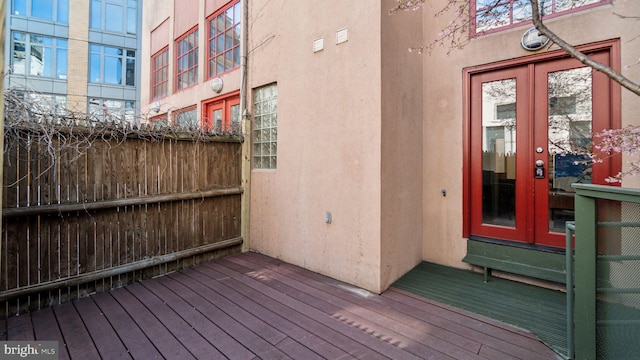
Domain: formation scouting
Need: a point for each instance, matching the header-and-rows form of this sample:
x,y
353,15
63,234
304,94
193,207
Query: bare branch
x,y
571,50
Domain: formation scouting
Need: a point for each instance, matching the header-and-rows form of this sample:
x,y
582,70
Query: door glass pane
x,y
499,152
235,114
217,119
569,129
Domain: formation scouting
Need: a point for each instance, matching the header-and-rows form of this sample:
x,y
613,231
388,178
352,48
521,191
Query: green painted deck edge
x,y
539,310
516,260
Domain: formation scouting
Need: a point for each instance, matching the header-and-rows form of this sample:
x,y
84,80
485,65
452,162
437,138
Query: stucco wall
x,y
443,107
329,137
402,150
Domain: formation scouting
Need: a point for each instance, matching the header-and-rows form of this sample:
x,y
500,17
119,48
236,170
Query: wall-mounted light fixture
x,y
217,84
532,40
155,107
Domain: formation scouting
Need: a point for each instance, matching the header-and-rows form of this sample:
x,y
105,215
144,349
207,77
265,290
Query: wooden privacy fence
x,y
75,222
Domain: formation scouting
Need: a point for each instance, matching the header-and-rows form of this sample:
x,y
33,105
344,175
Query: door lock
x,y
539,169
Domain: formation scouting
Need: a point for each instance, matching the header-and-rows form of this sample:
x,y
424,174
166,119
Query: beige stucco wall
x,y
443,108
402,150
329,137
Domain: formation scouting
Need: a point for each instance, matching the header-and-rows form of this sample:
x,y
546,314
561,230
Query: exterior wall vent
x,y
342,35
318,44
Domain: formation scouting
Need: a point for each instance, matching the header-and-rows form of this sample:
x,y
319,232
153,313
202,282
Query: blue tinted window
x,y
131,72
19,61
61,63
42,9
113,17
112,70
96,14
112,51
132,20
63,11
111,65
20,7
38,55
94,68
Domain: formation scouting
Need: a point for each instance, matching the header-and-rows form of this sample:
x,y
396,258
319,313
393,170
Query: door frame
x,y
613,49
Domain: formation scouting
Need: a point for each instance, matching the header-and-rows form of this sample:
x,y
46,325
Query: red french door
x,y
221,113
529,128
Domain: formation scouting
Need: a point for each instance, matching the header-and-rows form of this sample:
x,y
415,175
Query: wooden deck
x,y
250,306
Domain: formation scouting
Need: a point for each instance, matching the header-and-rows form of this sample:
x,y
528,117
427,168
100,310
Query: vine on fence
x,y
61,130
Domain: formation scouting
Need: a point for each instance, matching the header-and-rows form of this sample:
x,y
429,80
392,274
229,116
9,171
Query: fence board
x,y
42,246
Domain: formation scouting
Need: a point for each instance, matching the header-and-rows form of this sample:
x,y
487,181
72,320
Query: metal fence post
x,y
585,279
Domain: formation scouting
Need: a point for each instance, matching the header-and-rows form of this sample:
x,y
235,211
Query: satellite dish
x,y
532,40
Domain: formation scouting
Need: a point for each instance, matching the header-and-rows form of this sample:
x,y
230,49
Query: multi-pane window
x,y
159,122
52,10
111,65
224,39
43,105
39,55
265,131
116,111
186,118
493,14
160,74
115,15
187,60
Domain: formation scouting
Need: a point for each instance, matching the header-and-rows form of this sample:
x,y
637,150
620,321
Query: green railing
x,y
603,312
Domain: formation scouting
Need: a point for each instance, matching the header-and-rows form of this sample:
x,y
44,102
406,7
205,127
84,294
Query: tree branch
x,y
573,52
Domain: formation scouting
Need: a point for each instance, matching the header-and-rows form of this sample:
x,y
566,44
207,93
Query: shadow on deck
x,y
251,306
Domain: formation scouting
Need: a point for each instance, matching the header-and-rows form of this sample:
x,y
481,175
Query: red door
x,y
529,128
222,113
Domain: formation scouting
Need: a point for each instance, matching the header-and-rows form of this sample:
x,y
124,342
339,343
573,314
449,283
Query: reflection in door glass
x,y
217,119
569,131
499,152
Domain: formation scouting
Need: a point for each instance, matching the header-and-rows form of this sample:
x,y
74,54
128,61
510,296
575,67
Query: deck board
x,y
107,342
78,341
250,306
45,326
134,339
161,337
